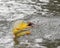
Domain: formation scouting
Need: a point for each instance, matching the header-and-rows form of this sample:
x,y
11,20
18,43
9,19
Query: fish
x,y
19,30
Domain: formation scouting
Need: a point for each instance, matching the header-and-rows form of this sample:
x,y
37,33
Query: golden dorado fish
x,y
20,29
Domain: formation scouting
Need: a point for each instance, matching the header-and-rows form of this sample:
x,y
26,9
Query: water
x,y
44,13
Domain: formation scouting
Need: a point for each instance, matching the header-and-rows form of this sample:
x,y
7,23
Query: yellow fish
x,y
19,29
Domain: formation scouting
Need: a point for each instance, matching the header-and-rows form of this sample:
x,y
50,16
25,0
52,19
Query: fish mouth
x,y
30,24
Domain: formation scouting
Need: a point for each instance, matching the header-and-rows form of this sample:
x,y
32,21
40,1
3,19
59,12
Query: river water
x,y
44,13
